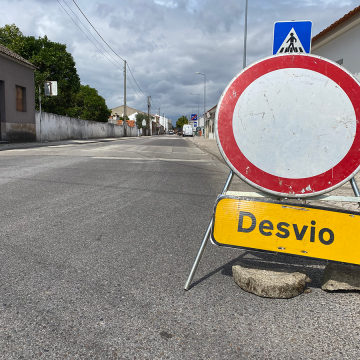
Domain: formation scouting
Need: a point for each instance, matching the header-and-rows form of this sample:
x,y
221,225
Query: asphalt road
x,y
97,240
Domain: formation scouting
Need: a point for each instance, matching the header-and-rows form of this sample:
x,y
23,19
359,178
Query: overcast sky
x,y
165,42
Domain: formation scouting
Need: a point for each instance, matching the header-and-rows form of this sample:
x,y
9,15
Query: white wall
x,y
164,121
346,47
132,116
56,127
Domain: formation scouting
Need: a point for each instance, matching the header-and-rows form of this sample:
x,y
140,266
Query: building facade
x,y
340,42
119,110
17,97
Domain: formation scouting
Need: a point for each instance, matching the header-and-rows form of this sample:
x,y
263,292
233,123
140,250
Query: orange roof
x,y
337,23
131,123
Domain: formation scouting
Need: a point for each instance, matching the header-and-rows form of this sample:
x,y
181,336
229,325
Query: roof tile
x,y
4,50
337,23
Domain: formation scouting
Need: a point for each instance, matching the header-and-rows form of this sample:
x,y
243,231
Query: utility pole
x,y
40,108
150,125
164,122
124,98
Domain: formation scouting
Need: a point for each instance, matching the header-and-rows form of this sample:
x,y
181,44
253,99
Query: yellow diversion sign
x,y
305,230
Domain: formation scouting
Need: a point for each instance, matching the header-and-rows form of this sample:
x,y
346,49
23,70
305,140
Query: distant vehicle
x,y
171,132
187,130
179,132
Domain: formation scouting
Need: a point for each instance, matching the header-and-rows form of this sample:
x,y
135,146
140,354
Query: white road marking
x,y
148,159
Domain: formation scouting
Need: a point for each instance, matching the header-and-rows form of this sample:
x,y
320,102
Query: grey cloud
x,y
104,10
161,87
221,15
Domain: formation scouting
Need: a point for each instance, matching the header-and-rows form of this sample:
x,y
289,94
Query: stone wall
x,y
56,127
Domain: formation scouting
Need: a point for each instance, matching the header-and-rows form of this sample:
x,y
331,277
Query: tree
x,y
87,104
11,36
53,62
181,121
140,117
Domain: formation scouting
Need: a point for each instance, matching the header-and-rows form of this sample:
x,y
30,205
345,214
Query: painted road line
x,y
149,159
270,225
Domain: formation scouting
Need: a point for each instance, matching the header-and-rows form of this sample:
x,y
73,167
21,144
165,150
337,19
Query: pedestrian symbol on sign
x,y
292,37
291,44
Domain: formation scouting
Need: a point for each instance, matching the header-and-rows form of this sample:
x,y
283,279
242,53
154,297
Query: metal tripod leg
x,y
206,238
355,187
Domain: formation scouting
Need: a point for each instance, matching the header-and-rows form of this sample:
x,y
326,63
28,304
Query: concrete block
x,y
279,284
341,277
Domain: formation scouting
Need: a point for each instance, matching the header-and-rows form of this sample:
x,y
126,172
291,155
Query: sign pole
x,y
206,238
355,187
245,35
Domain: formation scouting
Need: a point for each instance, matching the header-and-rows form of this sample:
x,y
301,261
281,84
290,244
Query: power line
x,y
87,36
133,86
108,45
91,33
156,107
137,94
122,68
97,31
135,80
140,102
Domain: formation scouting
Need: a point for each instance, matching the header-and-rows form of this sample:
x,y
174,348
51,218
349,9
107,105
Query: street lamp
x,y
198,103
245,35
204,96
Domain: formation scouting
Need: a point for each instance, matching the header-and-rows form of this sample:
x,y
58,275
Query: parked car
x,y
187,130
171,132
180,132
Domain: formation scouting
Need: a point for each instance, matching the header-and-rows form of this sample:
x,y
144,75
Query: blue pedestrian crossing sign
x,y
292,37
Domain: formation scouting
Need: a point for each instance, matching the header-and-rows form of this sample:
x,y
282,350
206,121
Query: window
x,y
20,98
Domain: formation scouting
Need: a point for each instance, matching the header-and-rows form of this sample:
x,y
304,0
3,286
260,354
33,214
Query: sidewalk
x,y
210,146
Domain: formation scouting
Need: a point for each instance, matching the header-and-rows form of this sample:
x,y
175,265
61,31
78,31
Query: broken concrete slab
x,y
341,277
271,283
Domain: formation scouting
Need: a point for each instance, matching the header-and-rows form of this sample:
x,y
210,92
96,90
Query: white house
x,y
164,121
340,42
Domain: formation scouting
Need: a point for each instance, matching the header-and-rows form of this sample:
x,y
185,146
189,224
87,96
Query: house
x,y
130,112
165,123
340,42
17,97
210,123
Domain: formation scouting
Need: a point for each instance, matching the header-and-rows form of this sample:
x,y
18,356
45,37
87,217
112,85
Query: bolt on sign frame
x,y
289,126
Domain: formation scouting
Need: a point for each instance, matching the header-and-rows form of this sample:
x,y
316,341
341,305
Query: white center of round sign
x,y
327,118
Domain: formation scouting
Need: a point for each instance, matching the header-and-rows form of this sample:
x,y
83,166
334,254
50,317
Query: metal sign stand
x,y
225,189
206,238
256,88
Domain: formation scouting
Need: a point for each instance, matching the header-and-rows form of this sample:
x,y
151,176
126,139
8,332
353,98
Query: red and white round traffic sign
x,y
289,125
